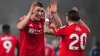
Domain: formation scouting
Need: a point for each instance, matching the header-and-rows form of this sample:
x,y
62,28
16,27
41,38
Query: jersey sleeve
x,y
21,18
87,31
59,31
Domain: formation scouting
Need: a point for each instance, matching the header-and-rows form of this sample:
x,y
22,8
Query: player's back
x,y
8,44
74,41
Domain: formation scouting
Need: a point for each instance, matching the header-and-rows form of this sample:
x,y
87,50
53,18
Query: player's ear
x,y
67,18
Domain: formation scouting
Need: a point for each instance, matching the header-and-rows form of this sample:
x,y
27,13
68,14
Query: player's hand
x,y
53,6
33,7
48,13
75,8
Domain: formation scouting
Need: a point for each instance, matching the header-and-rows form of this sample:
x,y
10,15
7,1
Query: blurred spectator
x,y
96,49
55,44
49,51
8,42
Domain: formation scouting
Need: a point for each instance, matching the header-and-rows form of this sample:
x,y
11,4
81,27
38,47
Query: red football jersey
x,y
73,40
8,43
49,51
32,38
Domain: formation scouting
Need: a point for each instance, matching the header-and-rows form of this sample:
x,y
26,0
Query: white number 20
x,y
7,45
78,38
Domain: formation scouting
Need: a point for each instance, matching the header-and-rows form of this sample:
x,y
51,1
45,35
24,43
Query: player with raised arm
x,y
52,9
31,29
73,35
8,42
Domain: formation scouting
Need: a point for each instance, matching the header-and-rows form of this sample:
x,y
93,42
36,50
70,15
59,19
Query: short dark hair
x,y
40,4
73,15
6,28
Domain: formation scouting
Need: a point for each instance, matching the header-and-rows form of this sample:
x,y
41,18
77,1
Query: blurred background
x,y
12,10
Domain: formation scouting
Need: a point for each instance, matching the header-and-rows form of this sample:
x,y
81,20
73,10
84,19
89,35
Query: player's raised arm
x,y
47,17
57,22
48,13
84,24
53,6
23,22
48,24
81,21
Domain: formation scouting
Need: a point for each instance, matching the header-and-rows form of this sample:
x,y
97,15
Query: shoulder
x,y
14,37
21,18
60,29
63,27
85,29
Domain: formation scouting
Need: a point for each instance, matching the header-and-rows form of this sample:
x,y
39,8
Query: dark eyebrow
x,y
40,10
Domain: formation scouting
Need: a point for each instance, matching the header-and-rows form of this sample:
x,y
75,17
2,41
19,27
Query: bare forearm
x,y
82,23
47,30
23,23
50,32
57,20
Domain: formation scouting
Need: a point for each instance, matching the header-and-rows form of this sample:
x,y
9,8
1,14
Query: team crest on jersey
x,y
34,31
31,25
